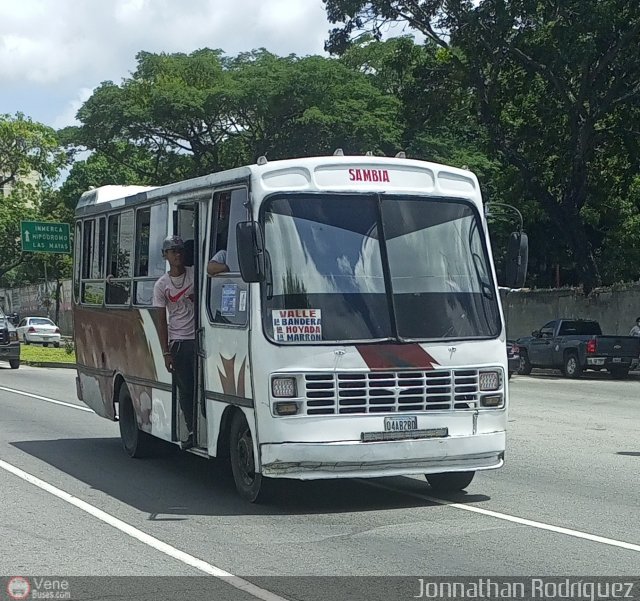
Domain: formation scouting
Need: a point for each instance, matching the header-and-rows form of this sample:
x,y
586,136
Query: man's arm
x,y
218,263
160,302
214,268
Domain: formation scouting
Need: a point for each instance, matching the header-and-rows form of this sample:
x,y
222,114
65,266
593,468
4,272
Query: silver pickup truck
x,y
576,345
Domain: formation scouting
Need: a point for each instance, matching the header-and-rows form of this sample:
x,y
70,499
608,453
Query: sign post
x,y
45,237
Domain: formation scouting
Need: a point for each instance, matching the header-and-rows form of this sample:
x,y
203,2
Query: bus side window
x,y
120,258
151,229
228,295
77,250
93,251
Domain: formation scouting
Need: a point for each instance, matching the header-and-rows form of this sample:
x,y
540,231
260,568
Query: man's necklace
x,y
184,275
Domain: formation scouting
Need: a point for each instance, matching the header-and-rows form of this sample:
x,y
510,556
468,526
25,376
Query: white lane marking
x,y
47,399
144,538
470,508
512,518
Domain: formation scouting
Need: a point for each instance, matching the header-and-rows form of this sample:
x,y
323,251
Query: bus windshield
x,y
374,267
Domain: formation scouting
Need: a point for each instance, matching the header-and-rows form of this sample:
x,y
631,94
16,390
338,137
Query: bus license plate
x,y
402,423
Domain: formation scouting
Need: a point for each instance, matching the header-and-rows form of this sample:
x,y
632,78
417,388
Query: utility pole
x,y
46,302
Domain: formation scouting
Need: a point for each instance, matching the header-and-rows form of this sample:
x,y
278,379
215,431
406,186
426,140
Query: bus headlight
x,y
489,380
284,388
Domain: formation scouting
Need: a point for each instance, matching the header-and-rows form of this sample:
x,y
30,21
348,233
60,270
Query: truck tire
x,y
14,363
449,482
571,367
524,369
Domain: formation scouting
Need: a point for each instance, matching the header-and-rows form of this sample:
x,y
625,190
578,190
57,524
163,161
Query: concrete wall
x,y
616,308
30,301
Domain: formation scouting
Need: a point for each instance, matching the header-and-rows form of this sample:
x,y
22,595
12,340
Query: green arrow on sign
x,y
45,237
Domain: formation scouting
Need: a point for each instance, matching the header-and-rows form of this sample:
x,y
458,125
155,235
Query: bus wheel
x,y
249,483
450,482
135,442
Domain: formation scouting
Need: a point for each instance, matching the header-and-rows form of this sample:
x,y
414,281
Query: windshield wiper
x,y
485,287
268,280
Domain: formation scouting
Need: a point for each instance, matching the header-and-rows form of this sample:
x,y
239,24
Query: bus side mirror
x,y
517,260
250,249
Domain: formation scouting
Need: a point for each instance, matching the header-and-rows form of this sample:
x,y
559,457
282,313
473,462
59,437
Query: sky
x,y
53,53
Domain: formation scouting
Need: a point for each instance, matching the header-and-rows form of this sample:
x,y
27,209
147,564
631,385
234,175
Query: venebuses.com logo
x,y
36,588
18,587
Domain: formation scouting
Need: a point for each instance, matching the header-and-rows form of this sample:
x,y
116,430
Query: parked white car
x,y
40,330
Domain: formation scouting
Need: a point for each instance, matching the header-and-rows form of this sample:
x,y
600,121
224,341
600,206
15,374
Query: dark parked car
x,y
513,355
9,344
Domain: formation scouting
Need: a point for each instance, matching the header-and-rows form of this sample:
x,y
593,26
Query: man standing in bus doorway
x,y
174,291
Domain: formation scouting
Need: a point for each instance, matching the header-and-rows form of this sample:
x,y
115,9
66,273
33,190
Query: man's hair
x,y
637,318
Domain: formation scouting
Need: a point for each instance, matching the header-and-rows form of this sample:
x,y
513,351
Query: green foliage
x,y
185,115
30,160
28,149
553,86
539,99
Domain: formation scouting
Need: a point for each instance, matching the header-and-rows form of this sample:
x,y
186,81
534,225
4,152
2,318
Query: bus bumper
x,y
355,459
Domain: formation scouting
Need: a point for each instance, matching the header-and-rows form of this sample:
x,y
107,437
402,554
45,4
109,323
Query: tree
x,y
184,115
435,108
30,160
28,148
554,83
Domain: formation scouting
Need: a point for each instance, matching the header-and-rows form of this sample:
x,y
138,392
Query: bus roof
x,y
336,173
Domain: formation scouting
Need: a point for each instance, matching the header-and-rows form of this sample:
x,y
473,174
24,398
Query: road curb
x,y
48,364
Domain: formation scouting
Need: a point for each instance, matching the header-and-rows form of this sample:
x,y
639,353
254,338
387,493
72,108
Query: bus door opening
x,y
187,224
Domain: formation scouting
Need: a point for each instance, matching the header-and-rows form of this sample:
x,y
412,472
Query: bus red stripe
x,y
395,356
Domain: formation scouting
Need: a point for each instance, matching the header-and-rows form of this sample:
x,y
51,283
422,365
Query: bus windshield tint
x,y
358,268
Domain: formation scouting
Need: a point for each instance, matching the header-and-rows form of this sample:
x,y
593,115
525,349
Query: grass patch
x,y
38,353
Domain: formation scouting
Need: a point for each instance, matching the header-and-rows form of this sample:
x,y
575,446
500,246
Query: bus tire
x,y
449,482
249,483
135,442
14,363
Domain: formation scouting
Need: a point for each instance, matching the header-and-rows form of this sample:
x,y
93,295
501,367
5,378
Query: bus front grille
x,y
390,392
